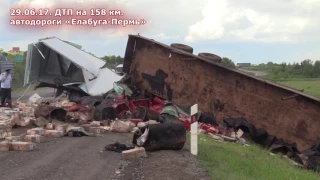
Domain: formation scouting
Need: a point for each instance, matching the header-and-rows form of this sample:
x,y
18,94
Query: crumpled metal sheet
x,y
50,112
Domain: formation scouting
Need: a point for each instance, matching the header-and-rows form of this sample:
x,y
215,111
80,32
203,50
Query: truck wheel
x,y
182,47
75,96
211,57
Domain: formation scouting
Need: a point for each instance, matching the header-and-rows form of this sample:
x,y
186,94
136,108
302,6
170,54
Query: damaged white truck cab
x,y
52,62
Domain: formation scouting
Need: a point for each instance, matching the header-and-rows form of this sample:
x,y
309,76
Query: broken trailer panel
x,y
186,79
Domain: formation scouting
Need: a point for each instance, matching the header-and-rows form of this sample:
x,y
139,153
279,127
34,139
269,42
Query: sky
x,y
254,31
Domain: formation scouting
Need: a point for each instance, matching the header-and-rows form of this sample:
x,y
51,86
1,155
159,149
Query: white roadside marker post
x,y
194,130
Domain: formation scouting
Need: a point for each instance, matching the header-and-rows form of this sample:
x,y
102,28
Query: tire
x,y
211,57
182,47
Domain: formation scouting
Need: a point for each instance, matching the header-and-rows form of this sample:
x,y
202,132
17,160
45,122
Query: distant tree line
x,y
10,56
112,61
304,69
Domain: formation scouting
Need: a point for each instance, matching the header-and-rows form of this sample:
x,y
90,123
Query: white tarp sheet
x,y
97,81
77,56
102,84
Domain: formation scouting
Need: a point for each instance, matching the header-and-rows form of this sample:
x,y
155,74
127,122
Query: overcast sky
x,y
253,31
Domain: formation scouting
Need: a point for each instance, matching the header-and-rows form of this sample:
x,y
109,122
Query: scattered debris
x,y
35,99
40,121
50,126
62,127
54,133
120,127
36,131
215,137
156,125
117,147
97,130
22,146
12,138
4,146
134,153
5,131
35,138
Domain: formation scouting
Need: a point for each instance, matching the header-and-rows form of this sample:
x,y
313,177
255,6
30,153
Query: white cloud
x,y
163,22
266,21
4,3
163,36
224,20
22,44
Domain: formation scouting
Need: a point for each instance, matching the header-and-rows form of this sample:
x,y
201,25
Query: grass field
x,y
231,161
310,86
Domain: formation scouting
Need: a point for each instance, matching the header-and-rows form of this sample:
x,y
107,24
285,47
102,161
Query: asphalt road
x,y
257,73
84,158
63,158
43,92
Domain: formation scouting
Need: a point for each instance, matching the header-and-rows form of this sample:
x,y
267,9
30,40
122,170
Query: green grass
x,y
231,161
310,86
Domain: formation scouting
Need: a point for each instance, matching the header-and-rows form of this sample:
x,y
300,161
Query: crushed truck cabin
x,y
185,79
57,64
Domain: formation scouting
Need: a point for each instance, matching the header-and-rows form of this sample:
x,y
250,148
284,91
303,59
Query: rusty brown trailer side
x,y
186,79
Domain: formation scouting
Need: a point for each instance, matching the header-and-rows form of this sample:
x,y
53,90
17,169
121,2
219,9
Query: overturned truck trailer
x,y
55,63
185,79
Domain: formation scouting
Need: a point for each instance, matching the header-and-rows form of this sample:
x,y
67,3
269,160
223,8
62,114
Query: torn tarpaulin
x,y
312,151
170,136
311,157
259,136
283,147
207,118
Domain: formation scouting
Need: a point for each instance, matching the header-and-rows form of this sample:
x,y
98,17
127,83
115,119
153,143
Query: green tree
x,y
228,62
316,69
270,63
119,60
112,61
283,67
307,66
